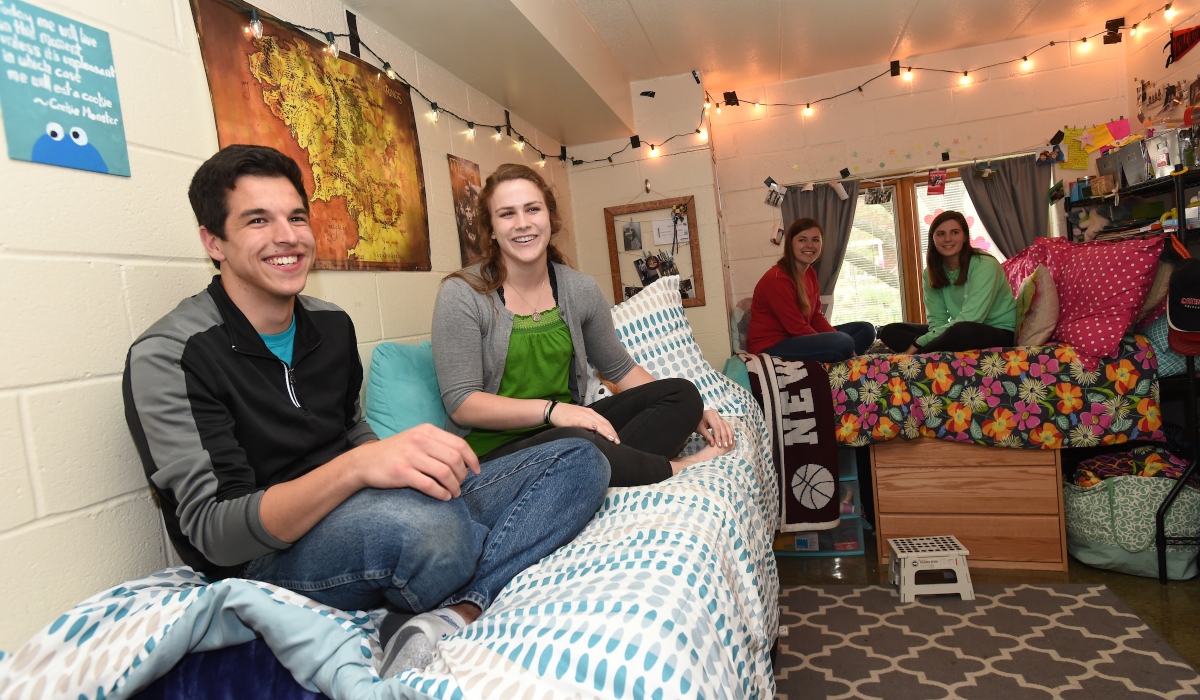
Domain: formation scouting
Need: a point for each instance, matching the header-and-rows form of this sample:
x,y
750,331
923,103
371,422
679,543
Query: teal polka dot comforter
x,y
670,592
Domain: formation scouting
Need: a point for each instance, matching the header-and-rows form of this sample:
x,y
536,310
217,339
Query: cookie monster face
x,y
67,149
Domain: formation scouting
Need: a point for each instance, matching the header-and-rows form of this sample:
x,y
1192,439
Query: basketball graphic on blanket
x,y
813,486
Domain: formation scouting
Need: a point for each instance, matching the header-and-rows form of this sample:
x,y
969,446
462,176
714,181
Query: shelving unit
x,y
1174,185
844,540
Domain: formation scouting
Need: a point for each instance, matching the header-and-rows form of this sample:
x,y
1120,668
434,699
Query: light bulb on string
x,y
1170,12
908,76
1026,64
1084,46
965,79
331,46
1133,30
256,26
702,133
808,110
653,151
707,104
498,135
471,130
718,109
542,162
757,105
387,68
521,143
433,111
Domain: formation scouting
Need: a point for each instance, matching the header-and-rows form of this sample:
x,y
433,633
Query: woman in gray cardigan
x,y
512,337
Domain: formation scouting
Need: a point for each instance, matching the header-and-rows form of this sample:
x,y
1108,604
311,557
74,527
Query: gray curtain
x,y
1012,203
836,218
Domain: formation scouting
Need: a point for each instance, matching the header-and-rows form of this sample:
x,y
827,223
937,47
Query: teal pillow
x,y
402,389
736,370
1170,362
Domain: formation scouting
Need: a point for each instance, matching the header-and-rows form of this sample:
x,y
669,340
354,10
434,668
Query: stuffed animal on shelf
x,y
1091,223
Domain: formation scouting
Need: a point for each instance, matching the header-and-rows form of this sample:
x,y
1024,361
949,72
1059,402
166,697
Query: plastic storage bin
x,y
845,539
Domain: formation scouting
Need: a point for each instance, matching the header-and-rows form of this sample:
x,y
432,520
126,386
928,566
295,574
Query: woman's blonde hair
x,y
788,261
492,271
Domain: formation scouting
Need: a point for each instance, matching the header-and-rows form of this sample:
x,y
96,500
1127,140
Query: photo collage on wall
x,y
650,265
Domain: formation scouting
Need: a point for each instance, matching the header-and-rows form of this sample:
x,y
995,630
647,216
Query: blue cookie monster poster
x,y
58,92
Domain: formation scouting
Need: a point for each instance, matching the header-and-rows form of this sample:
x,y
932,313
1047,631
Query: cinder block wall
x,y
88,261
900,126
684,167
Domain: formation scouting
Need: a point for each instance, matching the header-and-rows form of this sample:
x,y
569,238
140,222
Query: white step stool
x,y
912,554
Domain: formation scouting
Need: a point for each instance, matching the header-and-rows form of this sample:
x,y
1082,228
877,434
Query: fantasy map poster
x,y
351,129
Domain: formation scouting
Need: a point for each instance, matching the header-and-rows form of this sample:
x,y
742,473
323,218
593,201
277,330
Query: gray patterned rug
x,y
1020,642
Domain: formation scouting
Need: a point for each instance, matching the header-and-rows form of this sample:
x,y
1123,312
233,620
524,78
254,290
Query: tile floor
x,y
1172,610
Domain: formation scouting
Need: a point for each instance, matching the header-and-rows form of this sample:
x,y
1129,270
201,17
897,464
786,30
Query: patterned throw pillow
x,y
655,331
1037,308
1101,285
1170,362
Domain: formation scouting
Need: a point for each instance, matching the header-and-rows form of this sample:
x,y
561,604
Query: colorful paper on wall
x,y
1096,138
1077,158
1119,129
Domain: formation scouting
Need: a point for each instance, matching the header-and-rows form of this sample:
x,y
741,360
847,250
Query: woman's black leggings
x,y
654,422
964,335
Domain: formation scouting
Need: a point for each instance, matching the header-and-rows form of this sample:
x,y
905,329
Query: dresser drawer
x,y
951,490
1011,538
930,452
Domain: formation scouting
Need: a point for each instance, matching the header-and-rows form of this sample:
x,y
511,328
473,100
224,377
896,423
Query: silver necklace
x,y
537,315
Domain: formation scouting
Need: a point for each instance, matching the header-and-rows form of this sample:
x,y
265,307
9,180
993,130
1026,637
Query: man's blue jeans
x,y
418,552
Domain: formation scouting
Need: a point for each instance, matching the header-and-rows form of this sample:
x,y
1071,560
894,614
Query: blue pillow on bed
x,y
402,389
1170,362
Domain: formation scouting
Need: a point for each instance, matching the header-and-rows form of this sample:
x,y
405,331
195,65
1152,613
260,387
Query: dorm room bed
x,y
670,591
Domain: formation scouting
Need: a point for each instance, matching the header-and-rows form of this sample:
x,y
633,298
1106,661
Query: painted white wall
x,y
684,167
88,261
898,126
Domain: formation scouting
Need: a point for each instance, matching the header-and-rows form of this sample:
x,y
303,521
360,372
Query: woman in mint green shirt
x,y
968,301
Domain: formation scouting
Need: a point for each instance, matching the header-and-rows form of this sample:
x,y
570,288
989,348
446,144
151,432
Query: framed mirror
x,y
648,240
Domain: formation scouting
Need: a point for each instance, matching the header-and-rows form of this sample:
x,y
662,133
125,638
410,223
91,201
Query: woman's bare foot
x,y
680,463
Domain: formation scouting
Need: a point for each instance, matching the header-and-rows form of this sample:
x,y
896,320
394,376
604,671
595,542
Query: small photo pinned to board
x,y
631,231
686,290
647,272
631,292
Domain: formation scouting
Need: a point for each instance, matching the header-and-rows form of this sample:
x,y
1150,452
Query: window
x,y
880,279
868,286
956,199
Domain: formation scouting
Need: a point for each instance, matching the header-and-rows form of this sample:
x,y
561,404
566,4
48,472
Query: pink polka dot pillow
x,y
1102,286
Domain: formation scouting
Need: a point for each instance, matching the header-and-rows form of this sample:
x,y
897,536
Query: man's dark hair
x,y
218,175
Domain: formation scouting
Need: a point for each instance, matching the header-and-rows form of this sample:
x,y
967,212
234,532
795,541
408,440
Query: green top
x,y
538,367
985,298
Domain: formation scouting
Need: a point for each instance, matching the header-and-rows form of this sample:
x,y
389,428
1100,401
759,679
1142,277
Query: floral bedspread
x,y
1031,397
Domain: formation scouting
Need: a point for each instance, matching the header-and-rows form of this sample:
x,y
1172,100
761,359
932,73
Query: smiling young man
x,y
243,404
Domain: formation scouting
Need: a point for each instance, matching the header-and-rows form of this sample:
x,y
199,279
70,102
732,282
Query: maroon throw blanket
x,y
798,408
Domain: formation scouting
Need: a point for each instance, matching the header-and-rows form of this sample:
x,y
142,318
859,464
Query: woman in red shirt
x,y
785,316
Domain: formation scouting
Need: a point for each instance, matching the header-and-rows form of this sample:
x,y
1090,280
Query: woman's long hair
x,y
934,259
788,261
492,271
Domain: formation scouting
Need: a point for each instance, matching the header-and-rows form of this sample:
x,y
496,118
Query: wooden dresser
x,y
1005,505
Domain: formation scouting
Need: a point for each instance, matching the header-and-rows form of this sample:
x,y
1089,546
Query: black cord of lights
x,y
635,142
710,102
330,39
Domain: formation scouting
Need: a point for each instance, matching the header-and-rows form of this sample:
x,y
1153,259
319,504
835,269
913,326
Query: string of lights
x,y
1111,34
895,69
